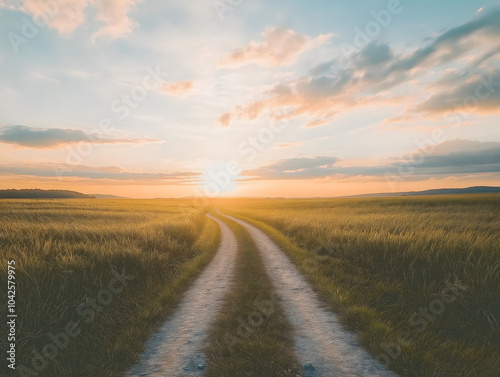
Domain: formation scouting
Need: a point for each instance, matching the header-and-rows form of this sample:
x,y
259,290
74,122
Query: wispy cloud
x,y
451,158
56,137
178,89
319,166
372,75
66,16
278,47
288,145
114,13
478,94
99,173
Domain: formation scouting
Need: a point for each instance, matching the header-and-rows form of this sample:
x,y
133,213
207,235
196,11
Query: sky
x,y
150,98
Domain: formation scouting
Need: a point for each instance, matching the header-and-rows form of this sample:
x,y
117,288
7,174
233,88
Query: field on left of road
x,y
96,277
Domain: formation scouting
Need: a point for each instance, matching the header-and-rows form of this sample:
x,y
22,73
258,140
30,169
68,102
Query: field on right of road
x,y
417,277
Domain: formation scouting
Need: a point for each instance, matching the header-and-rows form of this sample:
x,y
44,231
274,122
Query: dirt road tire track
x,y
175,350
319,337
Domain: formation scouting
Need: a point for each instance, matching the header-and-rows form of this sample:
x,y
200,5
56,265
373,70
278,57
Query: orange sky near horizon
x,y
275,188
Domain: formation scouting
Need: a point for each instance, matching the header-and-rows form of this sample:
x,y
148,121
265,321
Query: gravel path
x,y
319,337
174,350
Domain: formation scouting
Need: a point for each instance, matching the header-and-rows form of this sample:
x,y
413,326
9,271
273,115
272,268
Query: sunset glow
x,y
149,99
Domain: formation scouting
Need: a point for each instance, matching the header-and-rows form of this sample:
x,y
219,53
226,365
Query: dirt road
x,y
319,339
175,349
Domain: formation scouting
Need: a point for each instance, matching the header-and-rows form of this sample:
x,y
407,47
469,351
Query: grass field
x,y
95,277
417,277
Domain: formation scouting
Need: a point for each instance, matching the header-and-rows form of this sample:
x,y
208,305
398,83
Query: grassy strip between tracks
x,y
408,342
251,335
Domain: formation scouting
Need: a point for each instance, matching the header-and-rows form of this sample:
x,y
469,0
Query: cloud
x,y
288,145
375,53
67,15
225,120
451,158
56,137
373,76
64,16
487,23
178,89
250,112
100,172
295,168
462,154
322,97
278,47
479,94
114,13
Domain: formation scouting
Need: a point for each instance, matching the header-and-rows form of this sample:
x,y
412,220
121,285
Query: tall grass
x,y
380,261
67,251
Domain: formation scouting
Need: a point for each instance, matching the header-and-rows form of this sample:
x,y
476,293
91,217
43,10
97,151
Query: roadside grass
x,y
67,253
384,264
251,336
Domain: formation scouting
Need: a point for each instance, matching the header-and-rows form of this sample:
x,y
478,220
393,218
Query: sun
x,y
220,179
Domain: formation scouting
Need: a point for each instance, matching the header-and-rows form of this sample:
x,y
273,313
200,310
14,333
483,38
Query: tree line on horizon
x,y
42,194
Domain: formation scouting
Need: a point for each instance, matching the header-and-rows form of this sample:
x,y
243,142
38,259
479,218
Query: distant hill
x,y
446,191
42,194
